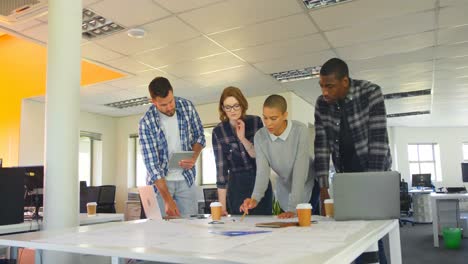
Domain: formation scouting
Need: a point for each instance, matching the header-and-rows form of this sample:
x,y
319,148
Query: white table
x,y
33,225
139,240
435,198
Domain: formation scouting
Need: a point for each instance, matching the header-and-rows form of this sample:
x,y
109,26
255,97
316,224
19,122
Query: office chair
x,y
106,199
210,195
87,195
405,204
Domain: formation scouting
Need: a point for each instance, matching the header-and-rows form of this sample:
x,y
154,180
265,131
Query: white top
x,y
170,126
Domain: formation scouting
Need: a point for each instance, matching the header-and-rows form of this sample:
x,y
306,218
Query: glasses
x,y
229,108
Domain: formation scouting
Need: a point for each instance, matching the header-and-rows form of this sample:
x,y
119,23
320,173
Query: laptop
x,y
456,189
366,195
150,204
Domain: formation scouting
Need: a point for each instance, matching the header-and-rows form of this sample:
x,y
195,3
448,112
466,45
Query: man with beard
x,y
171,125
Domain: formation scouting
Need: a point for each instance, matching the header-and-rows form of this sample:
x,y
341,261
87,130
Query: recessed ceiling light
x,y
136,33
313,4
298,74
95,25
130,103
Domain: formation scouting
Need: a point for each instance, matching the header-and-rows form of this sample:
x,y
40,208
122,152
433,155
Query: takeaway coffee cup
x,y
329,208
304,212
91,208
216,209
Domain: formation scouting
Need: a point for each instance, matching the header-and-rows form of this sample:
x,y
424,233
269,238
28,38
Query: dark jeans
x,y
370,257
315,199
240,187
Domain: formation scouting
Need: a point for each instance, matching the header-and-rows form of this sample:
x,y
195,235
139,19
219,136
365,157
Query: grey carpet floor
x,y
417,247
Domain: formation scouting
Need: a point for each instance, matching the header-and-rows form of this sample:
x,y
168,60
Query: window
x,y
90,158
425,158
136,164
208,164
465,152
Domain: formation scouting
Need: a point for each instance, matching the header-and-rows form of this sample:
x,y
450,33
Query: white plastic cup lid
x,y
92,203
304,206
328,201
215,204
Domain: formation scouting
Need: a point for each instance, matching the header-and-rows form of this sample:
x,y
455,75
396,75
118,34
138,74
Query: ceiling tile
x,y
187,50
202,66
295,62
453,16
90,50
180,6
443,3
365,12
89,2
128,64
291,47
452,51
138,80
39,32
409,104
308,90
278,29
393,60
387,47
129,13
158,34
24,25
246,78
453,35
399,26
236,13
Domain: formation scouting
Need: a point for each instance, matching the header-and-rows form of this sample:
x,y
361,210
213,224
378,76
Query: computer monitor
x,y
421,180
464,172
11,196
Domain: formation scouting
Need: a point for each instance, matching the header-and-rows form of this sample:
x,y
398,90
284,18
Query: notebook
x,y
366,195
150,204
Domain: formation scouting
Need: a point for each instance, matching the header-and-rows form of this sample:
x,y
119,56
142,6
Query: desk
x,y
421,206
31,225
196,241
436,198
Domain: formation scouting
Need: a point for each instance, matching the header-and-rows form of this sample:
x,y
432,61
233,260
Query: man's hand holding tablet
x,y
182,159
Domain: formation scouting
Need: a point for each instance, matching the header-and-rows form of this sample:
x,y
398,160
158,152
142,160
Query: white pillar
x,y
62,116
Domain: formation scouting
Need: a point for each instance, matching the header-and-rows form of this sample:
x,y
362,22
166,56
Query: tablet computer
x,y
176,157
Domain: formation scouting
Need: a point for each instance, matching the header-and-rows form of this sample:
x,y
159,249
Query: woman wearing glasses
x,y
234,152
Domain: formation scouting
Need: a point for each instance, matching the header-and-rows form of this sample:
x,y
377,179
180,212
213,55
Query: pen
x,y
242,218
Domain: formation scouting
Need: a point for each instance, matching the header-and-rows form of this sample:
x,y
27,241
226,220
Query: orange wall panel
x,y
22,75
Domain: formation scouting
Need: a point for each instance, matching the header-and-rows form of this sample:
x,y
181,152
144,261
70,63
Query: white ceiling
x,y
203,46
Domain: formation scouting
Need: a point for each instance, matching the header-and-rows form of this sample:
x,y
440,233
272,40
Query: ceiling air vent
x,y
313,4
130,103
296,75
407,94
14,11
409,114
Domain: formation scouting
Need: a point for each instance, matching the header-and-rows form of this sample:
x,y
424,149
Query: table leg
x,y
395,244
435,221
38,256
117,260
12,253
